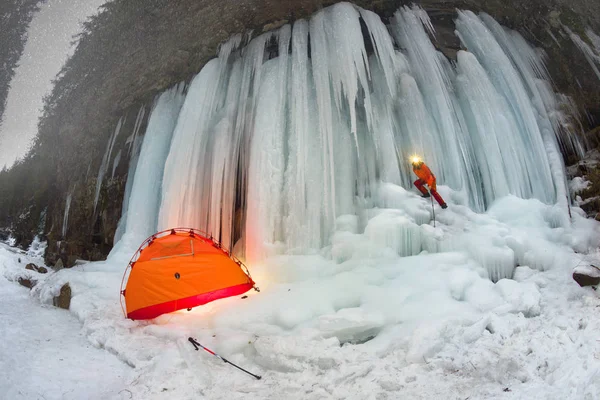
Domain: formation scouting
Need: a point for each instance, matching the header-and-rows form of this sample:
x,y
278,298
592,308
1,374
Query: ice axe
x,y
198,345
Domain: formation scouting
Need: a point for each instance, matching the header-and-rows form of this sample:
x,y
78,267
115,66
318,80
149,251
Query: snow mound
x,y
579,184
389,292
523,297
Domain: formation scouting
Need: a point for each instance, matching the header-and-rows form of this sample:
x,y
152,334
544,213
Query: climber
x,y
426,177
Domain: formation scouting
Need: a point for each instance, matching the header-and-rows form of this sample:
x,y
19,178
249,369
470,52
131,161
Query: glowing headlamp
x,y
415,159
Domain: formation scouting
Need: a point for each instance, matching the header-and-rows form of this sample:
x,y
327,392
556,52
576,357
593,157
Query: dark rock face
x,y
138,48
588,169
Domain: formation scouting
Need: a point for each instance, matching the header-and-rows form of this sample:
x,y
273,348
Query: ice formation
x,y
66,214
106,161
273,151
144,195
591,52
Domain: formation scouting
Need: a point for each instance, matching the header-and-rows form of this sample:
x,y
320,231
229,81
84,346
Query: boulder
x,y
63,300
28,283
59,265
588,275
33,267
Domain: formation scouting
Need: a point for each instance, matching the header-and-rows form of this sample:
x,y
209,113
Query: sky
x,y
46,51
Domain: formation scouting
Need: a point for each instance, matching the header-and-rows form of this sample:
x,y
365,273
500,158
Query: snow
x,y
579,184
45,354
365,317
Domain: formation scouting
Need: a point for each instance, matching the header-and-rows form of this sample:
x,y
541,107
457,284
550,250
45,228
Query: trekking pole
x,y
432,210
197,345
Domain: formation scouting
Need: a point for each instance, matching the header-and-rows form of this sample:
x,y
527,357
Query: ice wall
x,y
270,148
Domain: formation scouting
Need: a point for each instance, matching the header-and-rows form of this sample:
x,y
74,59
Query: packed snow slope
x,y
292,149
44,353
356,320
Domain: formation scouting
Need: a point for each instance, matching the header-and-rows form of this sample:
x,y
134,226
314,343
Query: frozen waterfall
x,y
279,137
140,216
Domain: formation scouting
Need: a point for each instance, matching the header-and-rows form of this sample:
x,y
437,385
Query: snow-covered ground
x,y
357,320
44,353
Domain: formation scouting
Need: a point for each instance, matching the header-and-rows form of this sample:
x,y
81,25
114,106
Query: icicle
x,y
188,161
188,197
225,49
499,262
266,167
530,63
145,193
265,156
66,214
449,152
384,48
595,39
348,60
116,162
131,140
425,20
536,106
133,160
105,161
304,185
385,126
140,218
220,224
592,55
394,230
507,80
267,163
320,69
500,160
235,179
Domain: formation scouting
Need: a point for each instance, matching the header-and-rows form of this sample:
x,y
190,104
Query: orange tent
x,y
178,269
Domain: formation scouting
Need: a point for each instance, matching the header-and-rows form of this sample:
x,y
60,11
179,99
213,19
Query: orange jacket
x,y
425,174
